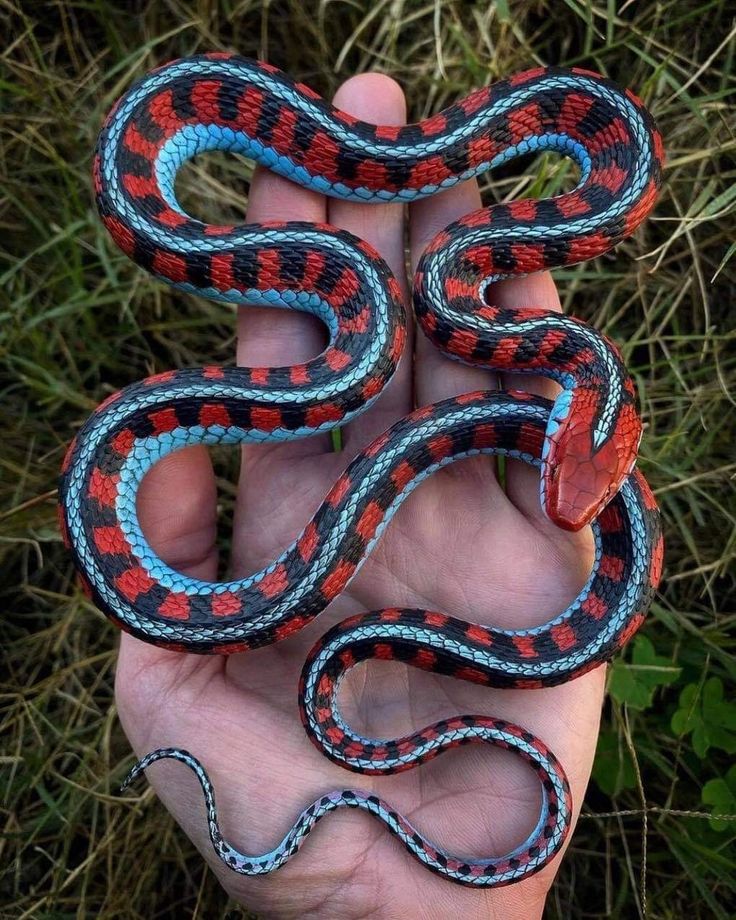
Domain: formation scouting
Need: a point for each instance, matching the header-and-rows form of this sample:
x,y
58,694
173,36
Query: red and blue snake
x,y
585,443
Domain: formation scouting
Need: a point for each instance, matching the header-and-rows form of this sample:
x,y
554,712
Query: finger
x,y
177,501
269,337
539,291
379,100
436,376
435,381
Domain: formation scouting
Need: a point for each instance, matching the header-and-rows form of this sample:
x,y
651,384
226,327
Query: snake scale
x,y
584,444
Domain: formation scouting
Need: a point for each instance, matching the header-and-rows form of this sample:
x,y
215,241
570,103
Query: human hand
x,y
462,544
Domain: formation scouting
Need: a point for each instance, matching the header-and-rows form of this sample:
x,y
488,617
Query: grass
x,y
78,320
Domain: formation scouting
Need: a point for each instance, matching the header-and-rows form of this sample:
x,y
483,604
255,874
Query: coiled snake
x,y
585,444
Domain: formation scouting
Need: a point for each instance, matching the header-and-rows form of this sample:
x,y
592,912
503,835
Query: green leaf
x,y
635,682
613,768
710,718
721,794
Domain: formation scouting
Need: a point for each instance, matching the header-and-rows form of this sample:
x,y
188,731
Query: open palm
x,y
461,544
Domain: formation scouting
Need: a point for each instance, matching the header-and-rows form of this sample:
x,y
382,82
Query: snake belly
x,y
584,444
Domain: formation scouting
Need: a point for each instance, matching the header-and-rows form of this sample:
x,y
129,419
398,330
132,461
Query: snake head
x,y
584,464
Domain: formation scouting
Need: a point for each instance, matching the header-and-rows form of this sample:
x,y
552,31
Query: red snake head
x,y
580,477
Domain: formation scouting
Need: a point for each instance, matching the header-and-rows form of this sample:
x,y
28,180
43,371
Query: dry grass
x,y
79,321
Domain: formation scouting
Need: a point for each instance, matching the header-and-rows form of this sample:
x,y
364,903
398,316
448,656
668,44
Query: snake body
x,y
584,444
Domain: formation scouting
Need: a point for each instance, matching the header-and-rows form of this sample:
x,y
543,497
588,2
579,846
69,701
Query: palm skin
x,y
461,544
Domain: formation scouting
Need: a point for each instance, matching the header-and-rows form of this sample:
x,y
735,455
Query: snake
x,y
584,443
